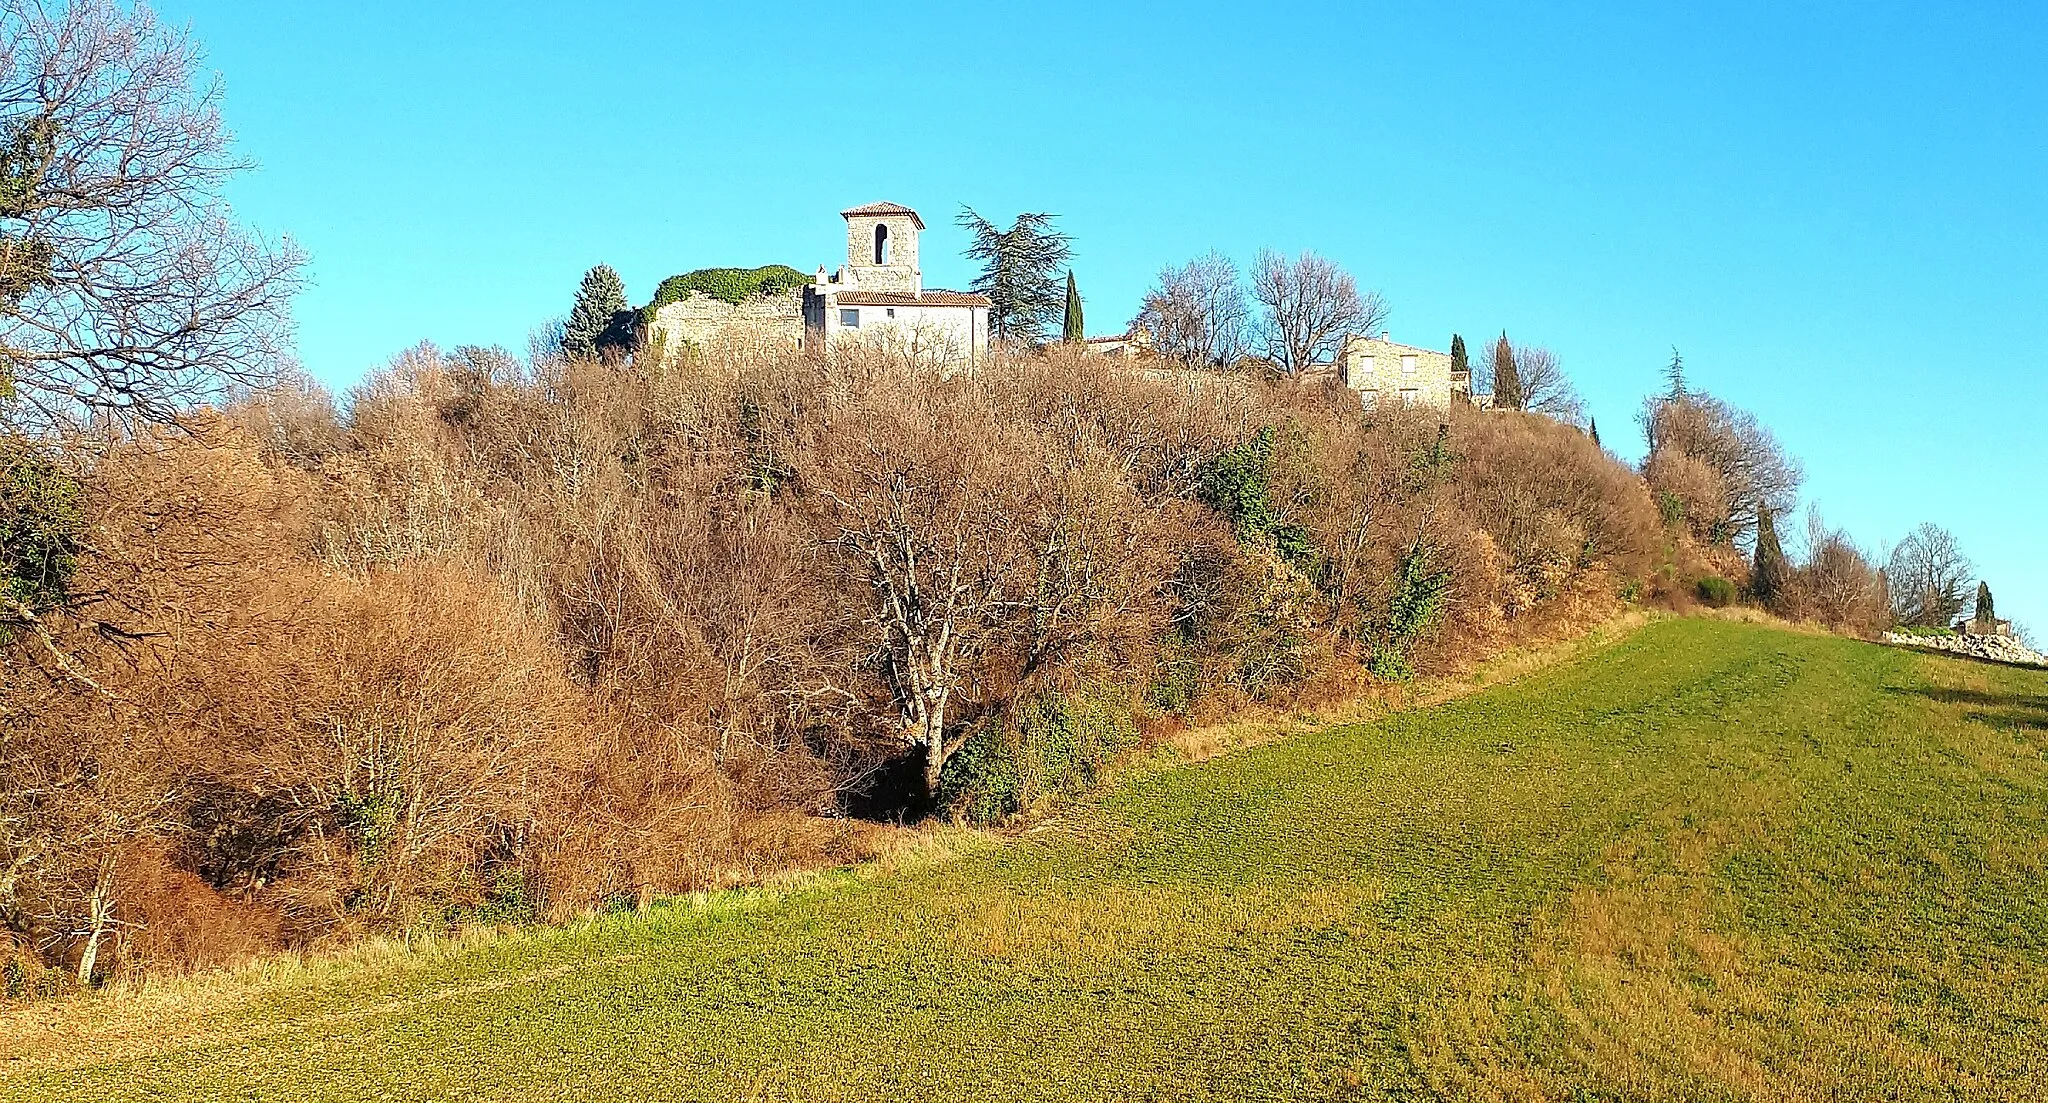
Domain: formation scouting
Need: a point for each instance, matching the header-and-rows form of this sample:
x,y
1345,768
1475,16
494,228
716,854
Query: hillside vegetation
x,y
494,641
1712,861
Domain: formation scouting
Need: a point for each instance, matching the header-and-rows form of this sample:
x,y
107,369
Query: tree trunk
x,y
934,738
99,910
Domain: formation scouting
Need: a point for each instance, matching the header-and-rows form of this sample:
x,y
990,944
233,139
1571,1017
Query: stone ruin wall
x,y
759,322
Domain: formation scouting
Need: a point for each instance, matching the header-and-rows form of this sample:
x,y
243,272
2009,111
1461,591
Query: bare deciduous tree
x,y
1929,578
1545,389
1754,469
1197,313
124,286
1308,304
934,555
1837,584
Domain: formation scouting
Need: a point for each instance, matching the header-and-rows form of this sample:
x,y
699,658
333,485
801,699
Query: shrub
x,y
42,529
732,285
1716,592
1056,743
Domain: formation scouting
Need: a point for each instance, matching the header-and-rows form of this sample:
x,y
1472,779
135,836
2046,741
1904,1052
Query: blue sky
x,y
1834,211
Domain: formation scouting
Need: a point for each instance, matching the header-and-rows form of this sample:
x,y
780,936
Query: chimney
x,y
1383,335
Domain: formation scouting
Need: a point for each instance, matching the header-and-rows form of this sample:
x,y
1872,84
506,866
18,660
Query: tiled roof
x,y
883,208
1364,338
934,297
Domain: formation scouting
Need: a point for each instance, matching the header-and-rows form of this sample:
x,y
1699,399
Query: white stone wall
x,y
944,334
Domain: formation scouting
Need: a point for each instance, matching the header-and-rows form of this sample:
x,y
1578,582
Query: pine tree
x,y
1458,361
1987,614
1770,579
1507,377
1073,332
1674,374
1017,271
594,317
1593,430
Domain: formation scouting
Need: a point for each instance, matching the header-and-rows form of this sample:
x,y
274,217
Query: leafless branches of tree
x,y
1308,304
1197,313
125,288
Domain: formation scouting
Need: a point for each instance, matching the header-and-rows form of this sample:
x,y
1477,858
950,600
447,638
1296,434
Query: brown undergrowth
x,y
492,643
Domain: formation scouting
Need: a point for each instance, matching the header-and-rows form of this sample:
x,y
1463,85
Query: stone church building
x,y
877,297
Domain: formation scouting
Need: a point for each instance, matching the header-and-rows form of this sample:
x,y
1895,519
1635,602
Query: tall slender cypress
x,y
1770,578
1987,614
1507,377
1458,361
1073,332
1593,430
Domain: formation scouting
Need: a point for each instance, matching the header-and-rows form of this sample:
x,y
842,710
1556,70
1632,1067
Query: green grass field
x,y
1711,861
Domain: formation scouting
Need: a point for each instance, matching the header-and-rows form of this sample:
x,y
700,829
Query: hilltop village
x,y
877,296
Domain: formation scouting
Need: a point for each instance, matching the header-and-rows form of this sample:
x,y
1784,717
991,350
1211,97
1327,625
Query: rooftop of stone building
x,y
1382,338
931,296
883,207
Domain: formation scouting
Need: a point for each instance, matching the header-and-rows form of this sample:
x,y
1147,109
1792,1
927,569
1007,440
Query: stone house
x,y
1381,370
878,295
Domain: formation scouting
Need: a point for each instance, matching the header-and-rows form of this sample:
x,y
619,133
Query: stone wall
x,y
901,273
1998,649
1374,368
759,321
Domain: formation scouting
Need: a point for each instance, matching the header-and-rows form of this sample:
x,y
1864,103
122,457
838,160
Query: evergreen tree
x,y
1017,272
1593,430
1674,374
593,321
1072,331
1458,361
1770,579
1507,377
1987,614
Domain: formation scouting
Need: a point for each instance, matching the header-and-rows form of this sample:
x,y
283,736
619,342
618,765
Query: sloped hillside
x,y
1712,861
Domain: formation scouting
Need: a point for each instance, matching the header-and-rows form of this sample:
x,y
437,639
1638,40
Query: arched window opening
x,y
881,244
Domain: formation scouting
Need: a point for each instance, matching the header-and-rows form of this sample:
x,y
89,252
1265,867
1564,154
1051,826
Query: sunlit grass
x,y
1710,861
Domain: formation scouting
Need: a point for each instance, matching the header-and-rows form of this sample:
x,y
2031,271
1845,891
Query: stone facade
x,y
759,322
878,296
881,249
1383,371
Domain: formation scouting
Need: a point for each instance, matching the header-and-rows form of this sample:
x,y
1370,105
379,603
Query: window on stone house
x,y
1369,398
1410,396
1365,365
850,319
892,312
1407,365
881,244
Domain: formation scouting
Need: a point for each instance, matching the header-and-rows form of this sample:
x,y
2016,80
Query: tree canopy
x,y
125,287
1017,275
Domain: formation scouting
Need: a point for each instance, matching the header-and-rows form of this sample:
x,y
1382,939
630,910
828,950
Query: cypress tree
x,y
1507,378
1987,614
599,303
1458,361
1073,332
1593,430
1770,579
